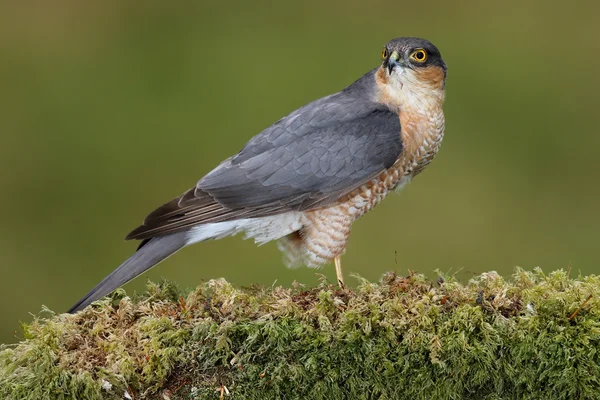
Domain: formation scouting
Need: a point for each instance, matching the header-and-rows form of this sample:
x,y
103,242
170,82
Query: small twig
x,y
569,270
323,277
182,303
183,383
129,393
580,307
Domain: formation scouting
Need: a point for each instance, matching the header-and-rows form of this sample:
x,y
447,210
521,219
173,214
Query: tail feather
x,y
147,256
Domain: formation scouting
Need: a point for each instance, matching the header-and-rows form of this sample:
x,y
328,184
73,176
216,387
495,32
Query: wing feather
x,y
309,159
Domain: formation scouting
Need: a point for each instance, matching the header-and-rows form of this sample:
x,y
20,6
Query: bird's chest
x,y
422,134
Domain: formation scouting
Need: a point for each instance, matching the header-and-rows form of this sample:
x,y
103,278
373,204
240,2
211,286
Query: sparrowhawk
x,y
305,179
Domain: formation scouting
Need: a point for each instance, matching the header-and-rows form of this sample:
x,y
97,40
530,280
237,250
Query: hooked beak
x,y
393,62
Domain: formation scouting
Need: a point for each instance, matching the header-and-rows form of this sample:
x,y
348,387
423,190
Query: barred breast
x,y
326,231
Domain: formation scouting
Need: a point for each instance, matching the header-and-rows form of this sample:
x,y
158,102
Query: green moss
x,y
403,338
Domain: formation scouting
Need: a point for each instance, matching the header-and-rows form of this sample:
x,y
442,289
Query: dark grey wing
x,y
300,169
308,159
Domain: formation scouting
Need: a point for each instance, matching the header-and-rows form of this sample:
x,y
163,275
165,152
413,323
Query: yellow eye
x,y
419,55
384,53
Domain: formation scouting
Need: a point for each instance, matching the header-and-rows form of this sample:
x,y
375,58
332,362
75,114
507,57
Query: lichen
x,y
534,336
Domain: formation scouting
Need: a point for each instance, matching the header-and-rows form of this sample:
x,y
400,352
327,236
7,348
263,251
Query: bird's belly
x,y
326,230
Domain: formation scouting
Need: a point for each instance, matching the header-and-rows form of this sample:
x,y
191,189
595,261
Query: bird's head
x,y
412,71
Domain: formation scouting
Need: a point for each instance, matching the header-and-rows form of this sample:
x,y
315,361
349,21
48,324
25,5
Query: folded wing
x,y
306,160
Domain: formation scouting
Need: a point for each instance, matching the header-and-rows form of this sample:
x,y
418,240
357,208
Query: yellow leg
x,y
338,271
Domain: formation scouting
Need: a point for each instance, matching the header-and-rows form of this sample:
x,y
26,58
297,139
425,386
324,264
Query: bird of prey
x,y
305,179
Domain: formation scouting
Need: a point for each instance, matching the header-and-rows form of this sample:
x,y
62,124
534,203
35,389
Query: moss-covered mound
x,y
535,337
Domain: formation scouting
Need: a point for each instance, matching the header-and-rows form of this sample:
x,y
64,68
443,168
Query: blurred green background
x,y
108,109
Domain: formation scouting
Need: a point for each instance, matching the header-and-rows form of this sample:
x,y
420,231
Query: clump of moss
x,y
536,336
